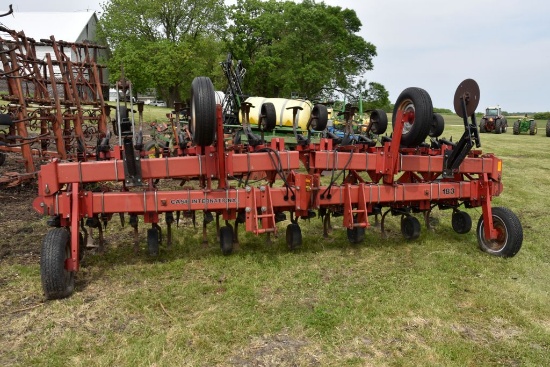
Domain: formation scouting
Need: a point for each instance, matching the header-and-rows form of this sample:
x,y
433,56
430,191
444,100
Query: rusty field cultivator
x,y
401,175
54,101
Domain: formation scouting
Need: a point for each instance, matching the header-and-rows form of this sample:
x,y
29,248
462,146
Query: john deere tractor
x,y
525,125
493,121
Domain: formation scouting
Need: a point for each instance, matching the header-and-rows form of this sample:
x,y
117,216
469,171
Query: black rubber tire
x,y
226,240
461,222
319,117
150,151
515,128
356,235
293,236
153,241
410,227
498,126
268,117
533,128
418,102
482,126
2,158
504,125
57,282
379,120
203,111
510,236
438,125
548,128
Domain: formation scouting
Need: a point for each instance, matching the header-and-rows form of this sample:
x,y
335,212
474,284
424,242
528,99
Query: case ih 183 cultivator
x,y
401,176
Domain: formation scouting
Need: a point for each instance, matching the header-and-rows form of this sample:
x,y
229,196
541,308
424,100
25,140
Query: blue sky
x,y
435,44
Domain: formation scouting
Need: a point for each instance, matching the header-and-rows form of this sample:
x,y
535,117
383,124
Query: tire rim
x,y
498,243
407,107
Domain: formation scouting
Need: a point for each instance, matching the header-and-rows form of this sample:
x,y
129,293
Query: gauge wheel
x,y
510,234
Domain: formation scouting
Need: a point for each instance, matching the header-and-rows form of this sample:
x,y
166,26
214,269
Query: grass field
x,y
435,301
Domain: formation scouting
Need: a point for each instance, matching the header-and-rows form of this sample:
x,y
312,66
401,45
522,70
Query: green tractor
x,y
525,125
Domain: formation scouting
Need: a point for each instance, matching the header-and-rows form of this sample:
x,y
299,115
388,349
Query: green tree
x,y
376,97
163,43
308,47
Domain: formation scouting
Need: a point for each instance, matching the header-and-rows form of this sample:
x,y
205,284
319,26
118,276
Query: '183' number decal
x,y
448,191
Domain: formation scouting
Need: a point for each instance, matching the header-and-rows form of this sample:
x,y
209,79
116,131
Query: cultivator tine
x,y
101,239
169,220
327,228
122,220
134,224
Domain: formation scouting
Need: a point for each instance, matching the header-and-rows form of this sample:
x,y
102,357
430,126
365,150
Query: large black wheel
x,y
293,236
379,122
356,235
461,222
57,281
410,227
510,234
268,116
154,149
2,158
533,128
504,125
483,126
438,125
203,111
515,128
416,106
319,117
548,128
226,240
498,126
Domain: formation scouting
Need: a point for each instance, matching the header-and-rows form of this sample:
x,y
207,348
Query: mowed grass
x,y
435,301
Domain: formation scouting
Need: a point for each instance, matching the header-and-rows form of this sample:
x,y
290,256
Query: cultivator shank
x,y
354,181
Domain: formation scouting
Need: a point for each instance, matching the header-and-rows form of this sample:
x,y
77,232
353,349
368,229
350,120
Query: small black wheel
x,y
548,128
356,235
203,111
533,128
153,241
498,126
57,281
461,222
510,234
319,117
438,125
293,236
226,240
121,111
483,126
515,127
379,122
268,116
416,106
410,227
2,158
154,149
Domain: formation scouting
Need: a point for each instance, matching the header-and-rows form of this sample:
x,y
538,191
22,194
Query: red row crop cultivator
x,y
401,175
55,106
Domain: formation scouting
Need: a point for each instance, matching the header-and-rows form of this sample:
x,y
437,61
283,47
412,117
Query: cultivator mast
x,y
234,94
402,176
55,104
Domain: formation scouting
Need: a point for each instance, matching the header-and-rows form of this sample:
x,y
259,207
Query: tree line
x,y
308,47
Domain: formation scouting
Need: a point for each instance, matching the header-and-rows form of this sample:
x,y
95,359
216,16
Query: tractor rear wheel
x,y
203,111
510,234
416,106
379,122
533,128
548,128
515,128
498,126
57,281
482,126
